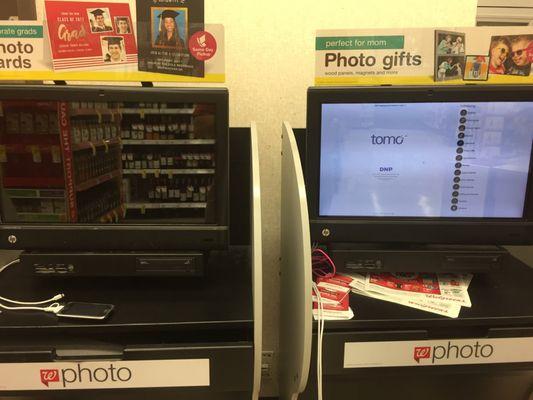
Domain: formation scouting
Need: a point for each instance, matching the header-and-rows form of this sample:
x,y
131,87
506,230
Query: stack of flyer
x,y
334,293
442,294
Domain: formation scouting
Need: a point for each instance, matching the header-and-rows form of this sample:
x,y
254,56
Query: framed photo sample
x,y
511,55
476,68
449,55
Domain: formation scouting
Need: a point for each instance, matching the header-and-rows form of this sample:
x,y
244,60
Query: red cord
x,y
321,263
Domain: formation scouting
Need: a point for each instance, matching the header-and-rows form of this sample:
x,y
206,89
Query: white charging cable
x,y
320,336
29,305
33,303
52,308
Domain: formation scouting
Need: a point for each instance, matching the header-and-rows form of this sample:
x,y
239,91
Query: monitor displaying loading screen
x,y
428,160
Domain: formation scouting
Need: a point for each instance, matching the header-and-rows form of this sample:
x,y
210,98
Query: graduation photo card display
x,y
90,35
165,28
91,40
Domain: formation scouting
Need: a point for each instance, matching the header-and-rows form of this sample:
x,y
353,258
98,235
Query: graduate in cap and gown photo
x,y
99,19
168,31
123,25
114,52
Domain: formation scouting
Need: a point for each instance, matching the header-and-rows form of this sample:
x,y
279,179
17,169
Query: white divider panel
x,y
257,260
296,300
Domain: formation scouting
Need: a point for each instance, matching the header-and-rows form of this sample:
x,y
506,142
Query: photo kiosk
x,y
145,199
412,179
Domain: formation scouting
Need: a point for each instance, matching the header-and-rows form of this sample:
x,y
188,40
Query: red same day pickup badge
x,y
203,46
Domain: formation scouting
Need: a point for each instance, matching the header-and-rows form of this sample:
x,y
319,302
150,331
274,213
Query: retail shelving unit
x,y
52,167
168,144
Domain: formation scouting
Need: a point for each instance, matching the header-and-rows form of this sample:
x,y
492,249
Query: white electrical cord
x,y
52,308
320,336
33,303
28,305
9,264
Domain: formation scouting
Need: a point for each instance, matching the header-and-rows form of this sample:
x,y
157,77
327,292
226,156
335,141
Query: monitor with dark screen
x,y
108,162
147,165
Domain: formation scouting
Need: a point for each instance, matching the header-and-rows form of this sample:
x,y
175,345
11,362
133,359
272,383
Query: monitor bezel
x,y
28,236
409,229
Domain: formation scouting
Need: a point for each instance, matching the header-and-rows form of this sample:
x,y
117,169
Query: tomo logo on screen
x,y
451,352
66,377
384,140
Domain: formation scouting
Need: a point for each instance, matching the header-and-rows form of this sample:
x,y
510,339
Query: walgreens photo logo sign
x,y
104,375
452,351
80,375
427,353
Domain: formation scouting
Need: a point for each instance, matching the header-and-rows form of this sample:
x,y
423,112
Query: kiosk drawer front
x,y
418,380
334,345
203,367
231,365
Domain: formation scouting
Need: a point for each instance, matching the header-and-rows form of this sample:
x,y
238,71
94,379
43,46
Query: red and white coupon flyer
x,y
454,289
339,283
446,309
90,35
330,296
442,288
334,311
405,282
442,294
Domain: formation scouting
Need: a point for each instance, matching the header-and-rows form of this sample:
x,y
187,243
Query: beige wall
x,y
270,64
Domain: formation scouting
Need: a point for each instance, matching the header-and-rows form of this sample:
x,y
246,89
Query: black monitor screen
x,y
450,160
107,162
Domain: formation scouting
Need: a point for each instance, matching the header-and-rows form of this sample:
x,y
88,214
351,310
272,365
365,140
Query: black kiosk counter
x,y
482,354
127,197
153,319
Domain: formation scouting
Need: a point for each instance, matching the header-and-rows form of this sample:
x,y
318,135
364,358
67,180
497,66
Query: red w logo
x,y
421,352
49,375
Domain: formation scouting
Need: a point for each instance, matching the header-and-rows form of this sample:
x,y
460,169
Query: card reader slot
x,y
48,351
510,332
85,353
180,265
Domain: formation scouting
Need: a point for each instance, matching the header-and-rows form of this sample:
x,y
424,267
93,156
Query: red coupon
x,y
338,282
330,296
343,305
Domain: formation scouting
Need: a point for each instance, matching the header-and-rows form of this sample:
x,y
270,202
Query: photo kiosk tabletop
x,y
388,350
176,337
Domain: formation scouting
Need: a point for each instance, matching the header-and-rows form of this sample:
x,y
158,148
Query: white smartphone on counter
x,y
79,310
